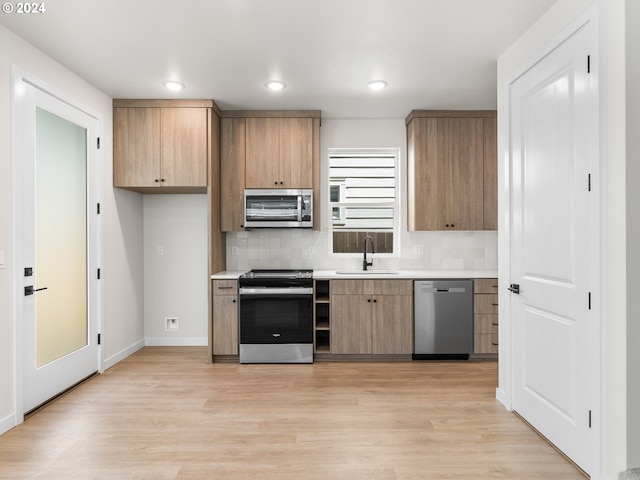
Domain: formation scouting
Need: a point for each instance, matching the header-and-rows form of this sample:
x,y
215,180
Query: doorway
x,y
57,231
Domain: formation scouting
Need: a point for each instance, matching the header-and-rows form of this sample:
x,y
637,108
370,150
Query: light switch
x,y
2,258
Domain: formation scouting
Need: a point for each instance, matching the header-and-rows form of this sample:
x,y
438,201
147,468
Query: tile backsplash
x,y
274,248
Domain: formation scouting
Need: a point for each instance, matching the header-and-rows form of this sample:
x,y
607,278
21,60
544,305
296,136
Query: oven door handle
x,y
275,291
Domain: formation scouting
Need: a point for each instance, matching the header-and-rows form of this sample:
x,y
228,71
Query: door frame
x,y
504,391
18,76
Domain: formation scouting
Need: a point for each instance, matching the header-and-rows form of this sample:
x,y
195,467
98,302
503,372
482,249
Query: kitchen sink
x,y
366,272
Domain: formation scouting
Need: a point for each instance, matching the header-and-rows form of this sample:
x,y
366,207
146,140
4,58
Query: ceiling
x,y
434,54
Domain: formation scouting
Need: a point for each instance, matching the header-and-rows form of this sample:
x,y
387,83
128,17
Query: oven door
x,y
276,316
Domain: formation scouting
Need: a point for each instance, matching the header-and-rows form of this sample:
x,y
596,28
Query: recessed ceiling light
x,y
275,85
173,85
376,84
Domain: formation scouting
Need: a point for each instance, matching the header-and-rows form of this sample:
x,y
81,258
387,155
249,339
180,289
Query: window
x,y
363,198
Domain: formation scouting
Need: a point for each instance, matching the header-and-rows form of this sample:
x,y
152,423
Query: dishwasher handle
x,y
442,290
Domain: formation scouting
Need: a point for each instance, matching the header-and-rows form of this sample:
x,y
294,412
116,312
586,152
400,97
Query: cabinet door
x,y
351,324
391,316
296,153
490,174
136,147
460,147
232,173
184,147
225,325
262,152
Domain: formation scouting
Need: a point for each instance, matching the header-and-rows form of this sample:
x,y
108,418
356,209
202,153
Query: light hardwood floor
x,y
164,413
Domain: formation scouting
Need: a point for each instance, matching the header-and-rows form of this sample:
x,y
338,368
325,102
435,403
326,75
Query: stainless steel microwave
x,y
278,208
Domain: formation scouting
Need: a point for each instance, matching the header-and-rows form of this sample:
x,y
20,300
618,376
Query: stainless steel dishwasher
x,y
443,316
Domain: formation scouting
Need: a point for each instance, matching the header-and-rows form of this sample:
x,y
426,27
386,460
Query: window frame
x,y
394,152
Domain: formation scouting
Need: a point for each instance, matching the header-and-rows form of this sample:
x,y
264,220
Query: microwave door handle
x,y
299,208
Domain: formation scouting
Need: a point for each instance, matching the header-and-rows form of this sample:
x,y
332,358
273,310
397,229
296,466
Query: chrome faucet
x,y
366,264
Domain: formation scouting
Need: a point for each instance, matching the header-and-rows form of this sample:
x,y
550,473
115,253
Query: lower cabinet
x,y
225,317
371,316
485,315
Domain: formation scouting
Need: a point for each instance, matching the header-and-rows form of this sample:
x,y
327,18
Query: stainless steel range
x,y
276,316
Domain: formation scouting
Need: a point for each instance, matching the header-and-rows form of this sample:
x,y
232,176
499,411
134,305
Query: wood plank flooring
x,y
164,413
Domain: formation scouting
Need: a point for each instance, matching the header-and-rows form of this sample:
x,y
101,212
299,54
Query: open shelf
x,y
321,317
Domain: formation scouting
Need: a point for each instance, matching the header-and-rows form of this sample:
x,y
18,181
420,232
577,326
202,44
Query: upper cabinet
x,y
267,149
161,146
279,153
452,170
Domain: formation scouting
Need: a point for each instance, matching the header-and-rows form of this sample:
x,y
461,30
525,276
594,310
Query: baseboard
x,y
176,342
7,423
121,355
501,396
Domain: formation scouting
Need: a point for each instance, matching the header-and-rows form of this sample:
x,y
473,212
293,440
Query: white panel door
x,y
552,253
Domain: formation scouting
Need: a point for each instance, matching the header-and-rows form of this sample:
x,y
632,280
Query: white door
x,y
59,236
553,256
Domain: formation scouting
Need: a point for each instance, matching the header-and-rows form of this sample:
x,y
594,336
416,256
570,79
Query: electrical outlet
x,y
418,249
160,250
172,324
234,251
312,250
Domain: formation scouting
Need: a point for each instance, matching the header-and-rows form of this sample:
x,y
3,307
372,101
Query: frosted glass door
x,y
60,237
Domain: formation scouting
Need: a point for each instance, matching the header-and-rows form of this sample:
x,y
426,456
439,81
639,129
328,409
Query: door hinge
x,y
589,300
589,182
589,418
98,274
588,63
98,209
98,143
99,338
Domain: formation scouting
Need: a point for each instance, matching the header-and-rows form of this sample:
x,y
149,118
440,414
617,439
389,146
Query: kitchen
x,y
134,239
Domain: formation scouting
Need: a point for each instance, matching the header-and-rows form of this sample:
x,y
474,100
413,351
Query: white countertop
x,y
387,274
402,274
227,275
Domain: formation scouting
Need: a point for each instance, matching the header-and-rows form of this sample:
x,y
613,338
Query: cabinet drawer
x,y
485,304
225,287
485,343
485,323
485,285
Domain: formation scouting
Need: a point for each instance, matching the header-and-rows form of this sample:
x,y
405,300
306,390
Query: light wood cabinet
x,y
371,316
225,317
279,153
452,169
268,149
161,146
232,173
485,315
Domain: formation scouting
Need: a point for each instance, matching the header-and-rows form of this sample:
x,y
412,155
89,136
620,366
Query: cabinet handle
x,y
369,300
156,180
225,288
233,301
494,304
375,301
162,179
494,344
494,324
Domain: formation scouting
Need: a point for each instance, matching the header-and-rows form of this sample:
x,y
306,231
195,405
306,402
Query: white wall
x,y
175,283
291,249
122,225
619,450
